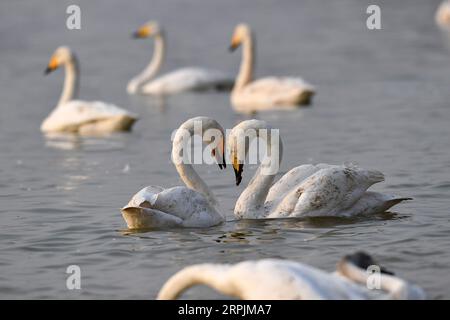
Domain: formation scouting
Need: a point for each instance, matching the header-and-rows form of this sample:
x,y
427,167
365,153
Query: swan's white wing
x,y
372,203
278,91
327,192
76,113
282,279
290,180
188,79
177,206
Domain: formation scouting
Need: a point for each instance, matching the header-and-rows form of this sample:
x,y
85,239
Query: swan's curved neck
x,y
186,171
153,67
71,81
395,287
245,75
206,274
250,204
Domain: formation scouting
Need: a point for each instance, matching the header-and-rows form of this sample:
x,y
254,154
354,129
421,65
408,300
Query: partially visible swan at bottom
x,y
185,79
442,15
190,206
78,116
270,93
304,191
275,279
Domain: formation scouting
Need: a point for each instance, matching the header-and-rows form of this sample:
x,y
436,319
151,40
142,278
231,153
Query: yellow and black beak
x,y
223,165
235,42
52,66
142,33
238,168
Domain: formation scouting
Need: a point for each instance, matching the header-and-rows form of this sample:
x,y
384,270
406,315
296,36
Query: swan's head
x,y
149,29
59,57
211,132
362,261
240,140
241,32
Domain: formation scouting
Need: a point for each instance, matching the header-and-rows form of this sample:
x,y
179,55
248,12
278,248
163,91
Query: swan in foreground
x,y
250,95
442,16
304,191
185,79
79,116
276,279
190,206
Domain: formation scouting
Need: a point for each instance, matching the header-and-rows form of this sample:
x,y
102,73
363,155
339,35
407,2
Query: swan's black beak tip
x,y
231,48
238,174
47,71
135,35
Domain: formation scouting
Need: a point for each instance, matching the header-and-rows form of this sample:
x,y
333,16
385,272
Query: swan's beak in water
x,y
238,168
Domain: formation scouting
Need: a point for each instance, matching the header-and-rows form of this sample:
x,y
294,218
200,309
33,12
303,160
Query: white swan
x,y
79,116
250,96
274,279
190,206
307,190
442,16
185,79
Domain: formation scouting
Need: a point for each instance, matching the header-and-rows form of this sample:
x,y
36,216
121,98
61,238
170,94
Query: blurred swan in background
x,y
275,279
78,116
190,206
250,95
304,191
185,79
442,16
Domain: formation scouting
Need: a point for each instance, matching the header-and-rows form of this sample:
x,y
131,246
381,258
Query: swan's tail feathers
x,y
148,218
393,202
305,96
375,176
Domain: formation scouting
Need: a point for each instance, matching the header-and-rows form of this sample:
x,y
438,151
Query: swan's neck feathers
x,y
153,67
71,81
245,75
251,202
204,274
180,159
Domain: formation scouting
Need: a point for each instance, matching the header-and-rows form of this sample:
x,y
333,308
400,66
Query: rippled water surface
x,y
383,102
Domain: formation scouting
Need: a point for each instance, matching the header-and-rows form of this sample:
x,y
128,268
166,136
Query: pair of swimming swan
x,y
247,95
275,279
304,191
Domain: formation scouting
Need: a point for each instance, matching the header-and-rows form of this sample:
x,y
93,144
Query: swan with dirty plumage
x,y
304,191
276,279
193,205
78,116
250,95
185,79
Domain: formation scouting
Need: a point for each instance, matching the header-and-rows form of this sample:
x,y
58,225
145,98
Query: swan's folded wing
x,y
328,192
71,115
290,180
187,79
273,86
373,203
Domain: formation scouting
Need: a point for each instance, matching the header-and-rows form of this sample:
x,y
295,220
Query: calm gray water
x,y
383,103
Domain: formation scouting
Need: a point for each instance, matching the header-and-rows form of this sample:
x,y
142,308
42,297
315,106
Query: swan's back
x,y
268,92
75,114
185,79
177,206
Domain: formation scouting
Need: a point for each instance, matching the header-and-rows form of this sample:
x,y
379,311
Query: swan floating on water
x,y
79,116
250,95
276,279
306,190
190,206
442,16
185,79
